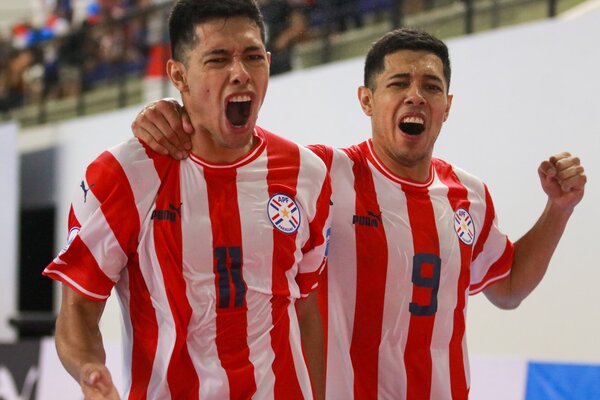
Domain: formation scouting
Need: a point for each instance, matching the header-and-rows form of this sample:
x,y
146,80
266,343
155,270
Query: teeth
x,y
239,99
413,120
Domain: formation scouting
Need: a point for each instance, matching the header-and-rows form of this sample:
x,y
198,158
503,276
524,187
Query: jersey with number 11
x,y
207,261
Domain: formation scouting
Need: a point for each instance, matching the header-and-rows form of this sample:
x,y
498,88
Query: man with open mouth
x,y
214,258
413,236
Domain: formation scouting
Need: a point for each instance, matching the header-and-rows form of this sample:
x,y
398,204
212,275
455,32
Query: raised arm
x,y
79,345
165,127
563,179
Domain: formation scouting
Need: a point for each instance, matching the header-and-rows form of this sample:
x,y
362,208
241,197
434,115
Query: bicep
x,y
78,312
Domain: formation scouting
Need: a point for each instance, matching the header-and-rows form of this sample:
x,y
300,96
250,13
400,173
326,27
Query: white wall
x,y
521,95
9,172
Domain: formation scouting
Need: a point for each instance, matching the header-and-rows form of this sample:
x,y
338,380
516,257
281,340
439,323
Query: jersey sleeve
x,y
493,253
314,250
103,229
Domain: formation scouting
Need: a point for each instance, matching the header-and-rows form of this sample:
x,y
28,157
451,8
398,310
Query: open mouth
x,y
238,110
412,125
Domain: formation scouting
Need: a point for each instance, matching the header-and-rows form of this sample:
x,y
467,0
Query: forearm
x,y
311,332
533,253
78,338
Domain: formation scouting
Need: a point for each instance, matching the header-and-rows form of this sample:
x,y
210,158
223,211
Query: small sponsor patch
x,y
464,226
72,235
284,213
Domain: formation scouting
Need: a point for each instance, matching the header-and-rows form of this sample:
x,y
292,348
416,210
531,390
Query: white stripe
x,y
297,355
398,291
75,284
257,243
447,294
495,244
341,278
102,243
141,173
124,296
149,266
197,243
310,182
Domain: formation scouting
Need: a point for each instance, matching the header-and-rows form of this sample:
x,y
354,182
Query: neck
x,y
417,170
213,150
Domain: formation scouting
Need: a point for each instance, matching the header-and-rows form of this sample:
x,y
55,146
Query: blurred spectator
x,y
285,24
345,11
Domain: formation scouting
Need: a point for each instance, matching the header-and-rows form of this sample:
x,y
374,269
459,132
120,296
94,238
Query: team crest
x,y
284,213
464,226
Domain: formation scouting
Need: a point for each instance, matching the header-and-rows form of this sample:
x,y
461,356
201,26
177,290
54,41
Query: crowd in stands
x,y
64,57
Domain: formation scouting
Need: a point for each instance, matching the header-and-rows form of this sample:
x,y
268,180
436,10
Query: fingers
x,y
165,127
96,381
566,170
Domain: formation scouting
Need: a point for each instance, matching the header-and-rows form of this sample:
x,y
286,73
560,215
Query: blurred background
x,y
74,73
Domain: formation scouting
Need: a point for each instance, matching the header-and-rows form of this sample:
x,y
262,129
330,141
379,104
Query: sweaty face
x,y
223,84
407,106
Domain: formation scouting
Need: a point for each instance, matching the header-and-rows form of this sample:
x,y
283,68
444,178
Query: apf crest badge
x,y
283,213
464,226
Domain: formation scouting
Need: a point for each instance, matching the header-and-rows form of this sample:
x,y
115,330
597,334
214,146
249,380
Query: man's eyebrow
x,y
219,52
215,52
252,48
405,75
400,76
434,78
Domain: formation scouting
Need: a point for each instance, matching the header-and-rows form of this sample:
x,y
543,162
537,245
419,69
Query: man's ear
x,y
365,97
447,112
178,75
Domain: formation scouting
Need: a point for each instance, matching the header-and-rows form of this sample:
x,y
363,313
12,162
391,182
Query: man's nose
x,y
239,72
414,95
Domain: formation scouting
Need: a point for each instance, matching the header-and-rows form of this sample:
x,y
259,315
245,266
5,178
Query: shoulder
x,y
469,180
131,153
281,146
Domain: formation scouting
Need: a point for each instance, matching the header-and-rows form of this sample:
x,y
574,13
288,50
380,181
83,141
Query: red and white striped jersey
x,y
208,261
403,260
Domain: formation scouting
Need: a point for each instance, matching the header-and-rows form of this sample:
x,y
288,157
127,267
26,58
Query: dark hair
x,y
187,14
403,39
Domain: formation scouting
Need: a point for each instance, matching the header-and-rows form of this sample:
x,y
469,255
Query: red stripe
x,y
371,273
109,183
181,375
283,167
487,225
231,321
417,355
143,317
497,269
81,267
73,221
326,154
145,331
306,282
457,196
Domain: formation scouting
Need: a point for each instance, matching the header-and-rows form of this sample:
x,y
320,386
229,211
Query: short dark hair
x,y
186,14
403,39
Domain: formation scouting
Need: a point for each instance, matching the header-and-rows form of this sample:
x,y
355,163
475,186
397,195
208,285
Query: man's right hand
x,y
165,127
96,383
